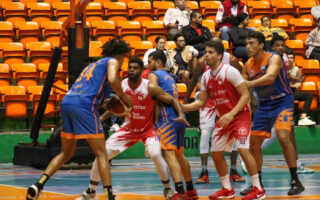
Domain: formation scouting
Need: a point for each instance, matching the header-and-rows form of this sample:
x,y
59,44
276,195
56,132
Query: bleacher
x,y
29,30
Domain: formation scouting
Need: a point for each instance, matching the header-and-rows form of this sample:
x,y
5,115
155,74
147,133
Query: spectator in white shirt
x,y
176,18
227,11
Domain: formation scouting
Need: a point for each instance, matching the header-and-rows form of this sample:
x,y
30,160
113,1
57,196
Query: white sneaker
x,y
303,170
89,194
306,122
168,193
114,127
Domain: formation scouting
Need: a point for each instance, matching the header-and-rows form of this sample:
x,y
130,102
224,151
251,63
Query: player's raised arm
x,y
197,104
157,93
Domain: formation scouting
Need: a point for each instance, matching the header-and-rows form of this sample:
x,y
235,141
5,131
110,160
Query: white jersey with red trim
x,y
142,113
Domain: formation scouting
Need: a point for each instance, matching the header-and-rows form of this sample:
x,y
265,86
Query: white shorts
x,y
123,139
207,118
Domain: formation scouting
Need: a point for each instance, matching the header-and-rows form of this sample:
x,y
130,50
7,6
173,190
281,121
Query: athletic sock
x,y
166,184
189,185
293,173
226,182
44,178
179,187
255,181
93,185
108,191
260,178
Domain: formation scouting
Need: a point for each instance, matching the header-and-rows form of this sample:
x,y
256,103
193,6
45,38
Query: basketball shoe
x,y
178,196
255,194
235,176
223,194
89,194
203,178
33,192
192,194
168,193
296,187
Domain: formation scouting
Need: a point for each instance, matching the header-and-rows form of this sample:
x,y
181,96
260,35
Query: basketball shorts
x,y
277,112
238,130
80,123
123,139
207,118
171,135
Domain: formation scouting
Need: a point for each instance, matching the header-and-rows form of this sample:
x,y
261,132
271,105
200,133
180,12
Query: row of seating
x,y
145,10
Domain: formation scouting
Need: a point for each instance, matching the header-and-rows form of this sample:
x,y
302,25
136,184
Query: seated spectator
x,y
185,58
268,31
296,80
196,34
228,10
176,18
238,35
313,43
160,45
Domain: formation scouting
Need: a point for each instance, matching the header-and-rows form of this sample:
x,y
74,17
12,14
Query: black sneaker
x,y
33,193
296,187
246,191
203,178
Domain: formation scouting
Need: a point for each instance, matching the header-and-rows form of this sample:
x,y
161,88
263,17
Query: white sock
x,y
94,176
226,182
204,168
255,181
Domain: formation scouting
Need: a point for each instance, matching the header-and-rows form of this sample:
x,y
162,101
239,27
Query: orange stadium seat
x,y
94,12
170,45
61,92
116,11
160,8
304,7
51,31
140,11
130,30
15,101
52,1
226,46
13,53
281,23
126,1
153,29
209,24
35,95
39,52
5,75
296,46
25,74
60,77
284,9
209,9
194,6
14,11
39,12
310,64
28,32
6,32
301,28
311,86
254,23
258,9
61,10
139,48
104,30
95,49
182,90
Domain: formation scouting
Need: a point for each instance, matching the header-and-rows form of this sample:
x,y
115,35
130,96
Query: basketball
x,y
117,107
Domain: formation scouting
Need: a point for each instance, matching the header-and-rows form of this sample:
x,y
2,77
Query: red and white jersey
x,y
141,116
221,85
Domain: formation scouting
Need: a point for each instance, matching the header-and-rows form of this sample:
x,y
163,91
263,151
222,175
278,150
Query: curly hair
x,y
115,47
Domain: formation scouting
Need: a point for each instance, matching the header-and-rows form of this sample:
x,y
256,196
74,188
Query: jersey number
x,y
86,73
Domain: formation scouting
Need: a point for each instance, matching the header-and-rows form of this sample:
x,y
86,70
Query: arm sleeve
x,y
234,76
220,14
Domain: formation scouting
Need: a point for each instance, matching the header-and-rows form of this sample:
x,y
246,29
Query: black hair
x,y
136,60
318,20
115,47
159,55
177,36
276,37
158,38
218,46
265,17
240,18
290,52
193,15
257,35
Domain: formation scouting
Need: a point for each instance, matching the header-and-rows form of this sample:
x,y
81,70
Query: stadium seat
x,y
60,91
103,30
194,6
25,74
296,46
39,12
6,32
304,7
51,31
13,53
35,95
170,45
280,23
60,77
160,8
310,64
226,46
301,27
306,87
5,75
130,30
182,90
95,50
209,9
27,32
284,9
39,52
139,48
116,11
15,101
153,29
258,9
94,12
140,11
52,1
61,10
209,24
14,11
254,23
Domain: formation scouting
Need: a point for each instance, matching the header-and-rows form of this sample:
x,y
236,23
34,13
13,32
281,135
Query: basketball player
x,y
225,86
138,126
79,113
207,119
266,73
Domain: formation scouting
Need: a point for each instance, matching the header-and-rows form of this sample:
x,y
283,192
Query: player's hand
x,y
181,119
248,83
127,100
225,120
105,103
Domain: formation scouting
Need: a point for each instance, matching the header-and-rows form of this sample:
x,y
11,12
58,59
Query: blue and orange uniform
x,y
171,133
80,117
276,100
